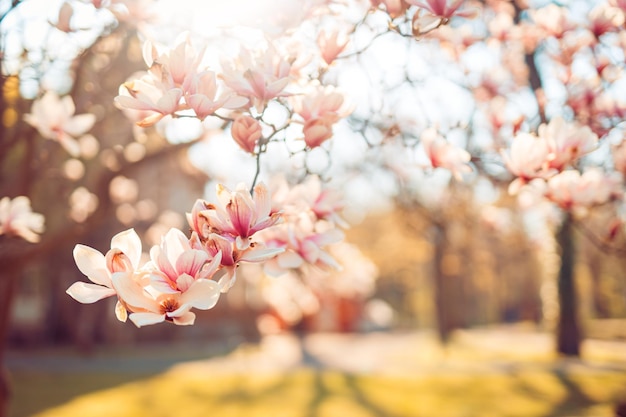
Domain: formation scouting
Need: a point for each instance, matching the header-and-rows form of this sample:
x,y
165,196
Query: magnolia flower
x,y
203,99
320,109
553,20
444,9
604,18
149,306
527,159
303,244
239,215
54,118
146,96
124,256
394,8
578,192
246,131
178,266
18,219
443,154
232,256
566,142
331,45
260,78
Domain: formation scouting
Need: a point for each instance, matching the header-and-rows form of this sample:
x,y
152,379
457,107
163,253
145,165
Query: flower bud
x,y
246,131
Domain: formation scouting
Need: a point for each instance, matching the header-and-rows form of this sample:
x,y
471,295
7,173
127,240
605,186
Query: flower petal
x,y
87,293
128,242
202,294
92,264
146,319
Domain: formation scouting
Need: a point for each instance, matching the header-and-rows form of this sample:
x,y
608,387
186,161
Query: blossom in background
x,y
566,142
442,154
444,9
527,159
54,119
260,77
18,219
331,44
577,192
320,109
124,256
394,8
203,98
144,95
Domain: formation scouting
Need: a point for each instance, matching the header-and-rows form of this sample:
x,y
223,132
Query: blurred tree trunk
x,y
568,335
8,287
441,286
600,302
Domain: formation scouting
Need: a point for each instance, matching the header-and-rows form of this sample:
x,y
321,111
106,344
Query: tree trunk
x,y
8,286
568,335
440,286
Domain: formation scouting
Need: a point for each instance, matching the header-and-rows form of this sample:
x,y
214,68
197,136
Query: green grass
x,y
311,393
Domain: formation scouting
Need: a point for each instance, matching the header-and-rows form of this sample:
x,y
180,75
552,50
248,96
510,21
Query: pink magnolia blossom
x,y
331,45
604,18
54,118
239,215
303,245
578,192
260,77
202,96
144,95
442,154
124,256
149,306
178,265
246,131
527,159
320,109
18,219
232,257
566,142
553,20
444,9
394,8
175,67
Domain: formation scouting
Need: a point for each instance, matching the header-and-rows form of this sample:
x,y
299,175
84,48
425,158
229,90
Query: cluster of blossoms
x,y
190,272
183,273
179,84
543,161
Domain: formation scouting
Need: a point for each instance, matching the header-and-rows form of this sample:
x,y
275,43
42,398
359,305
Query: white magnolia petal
x,y
260,255
128,242
92,264
80,124
132,293
289,259
146,319
202,294
87,293
186,319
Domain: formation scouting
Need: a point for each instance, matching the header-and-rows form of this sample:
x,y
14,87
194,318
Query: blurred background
x,y
448,305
